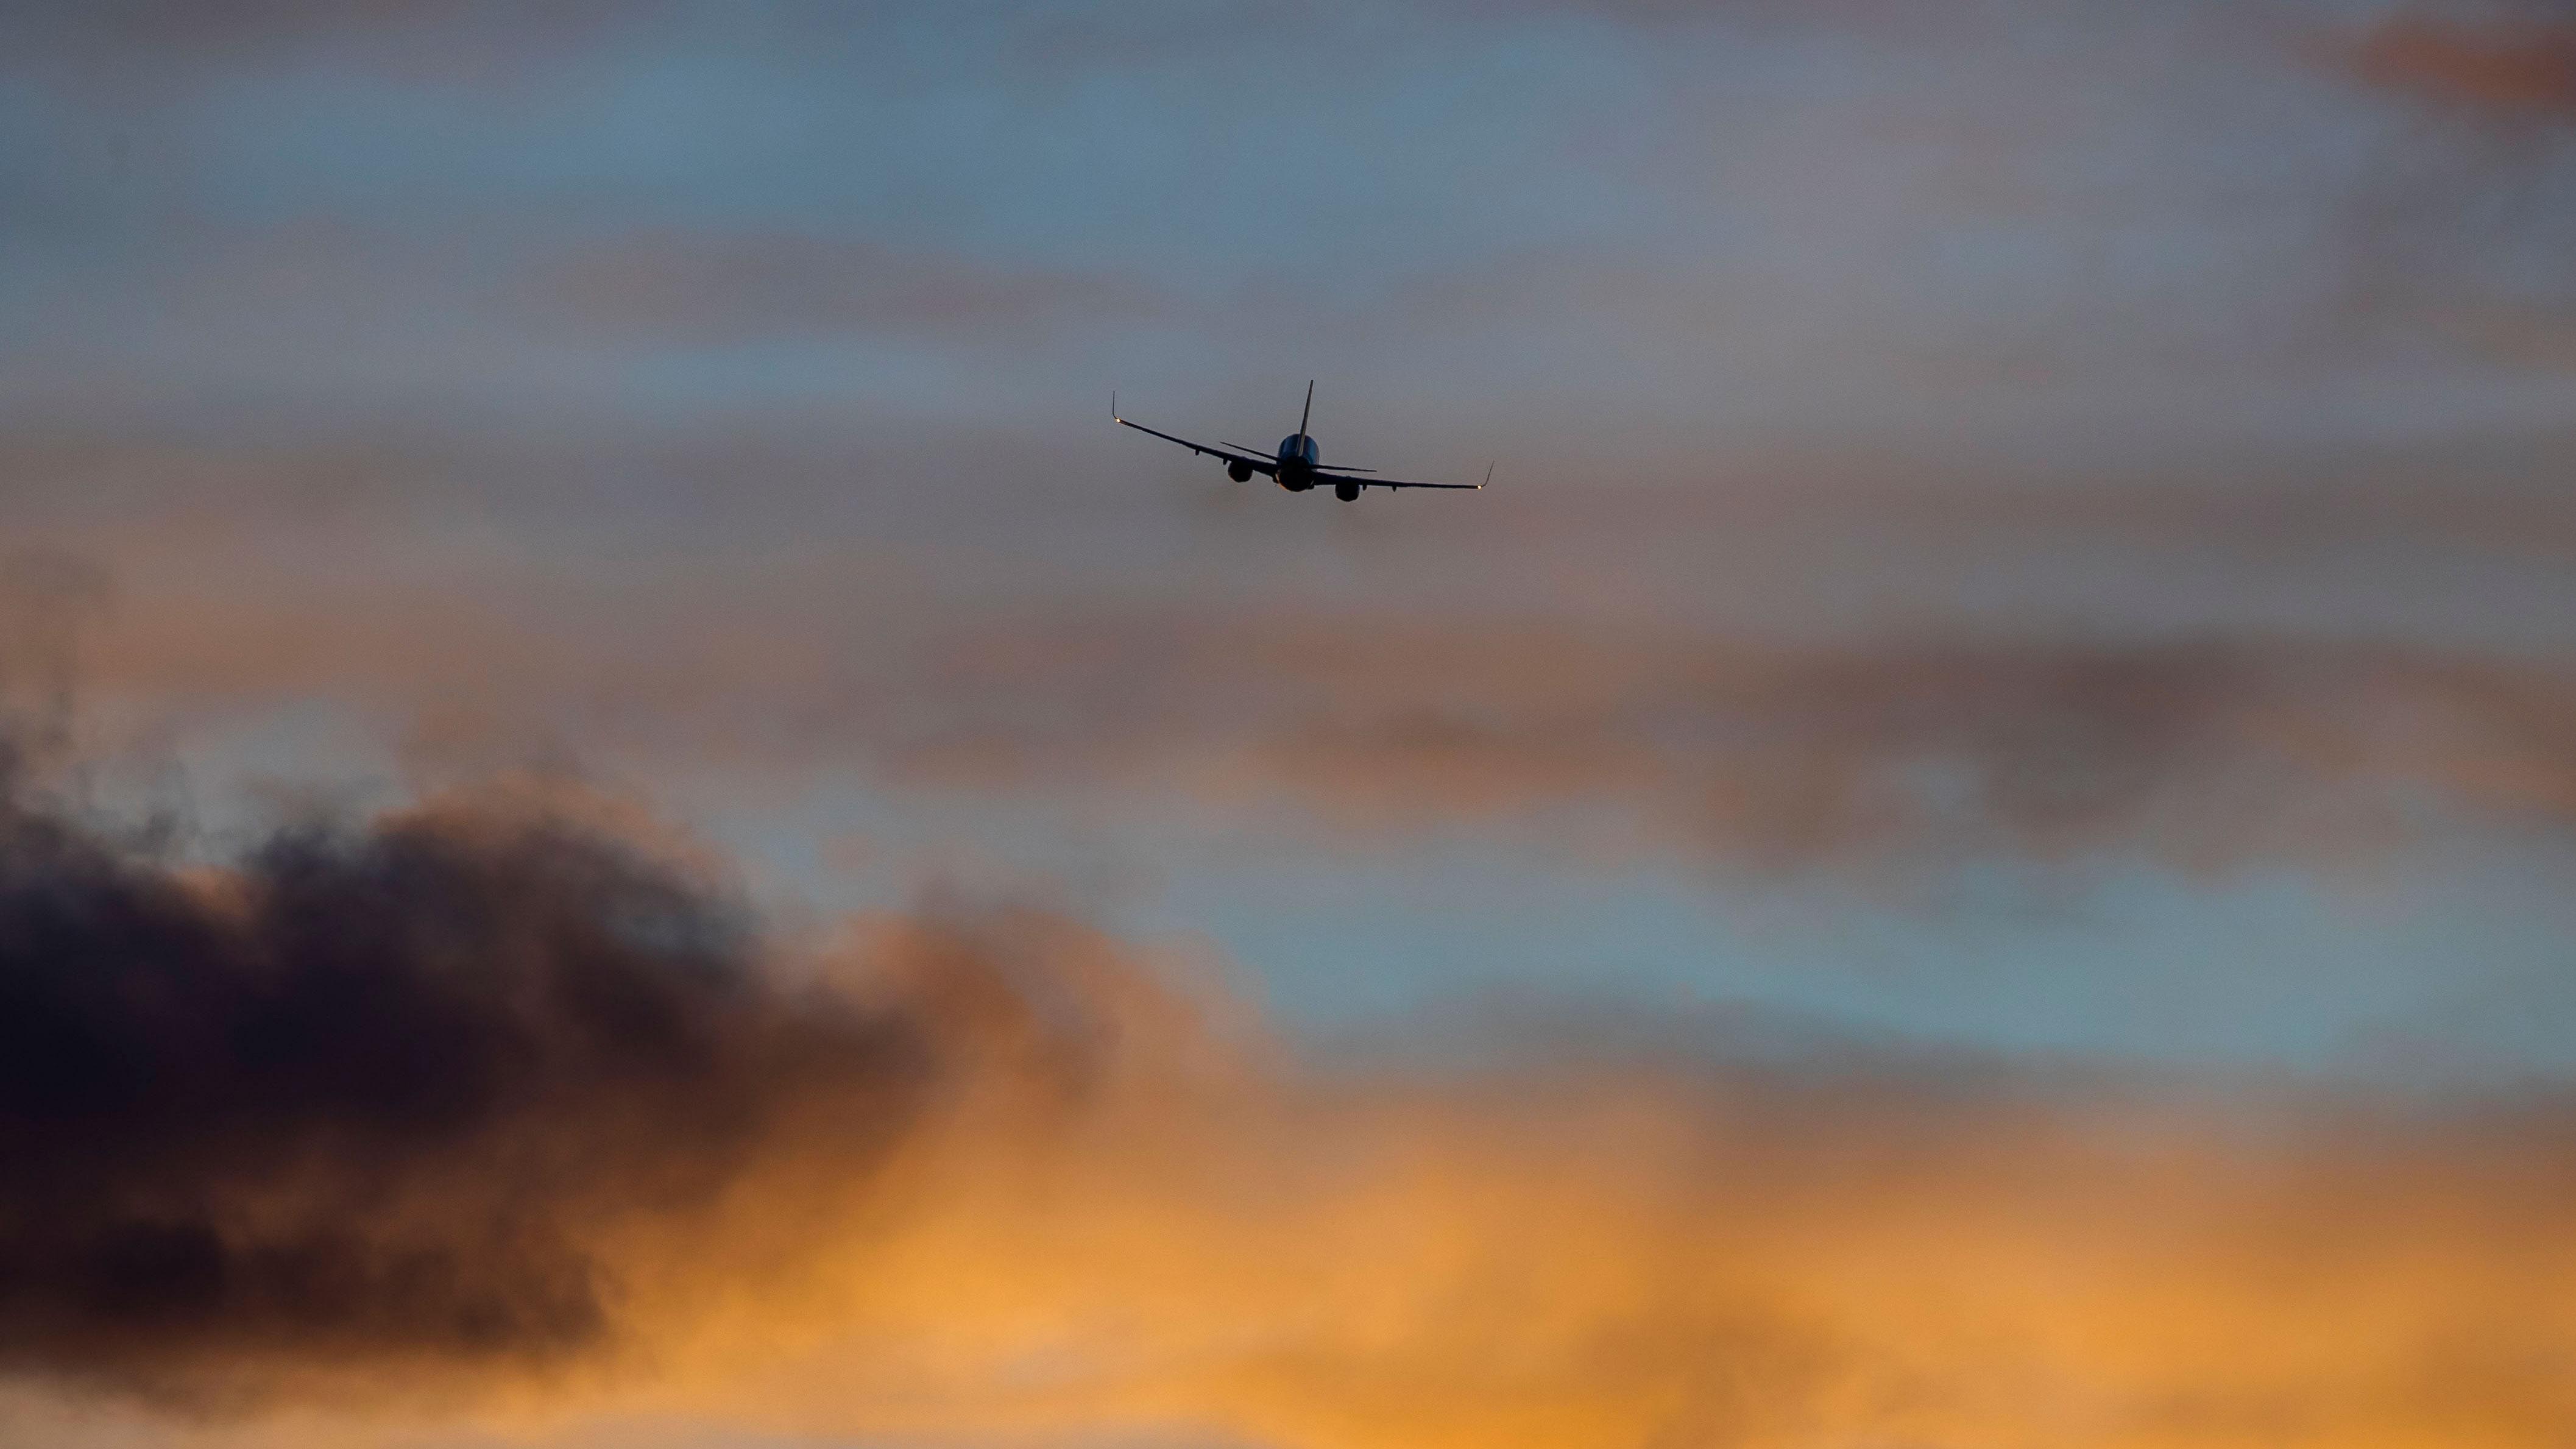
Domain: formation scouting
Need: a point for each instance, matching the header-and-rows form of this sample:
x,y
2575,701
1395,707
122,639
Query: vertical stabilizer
x,y
1309,414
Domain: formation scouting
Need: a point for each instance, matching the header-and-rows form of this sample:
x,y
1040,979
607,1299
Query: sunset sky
x,y
631,821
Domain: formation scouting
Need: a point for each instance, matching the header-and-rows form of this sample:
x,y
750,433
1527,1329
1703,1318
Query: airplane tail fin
x,y
1309,414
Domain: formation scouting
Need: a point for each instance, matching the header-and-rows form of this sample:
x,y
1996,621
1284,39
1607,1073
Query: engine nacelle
x,y
1239,471
1347,492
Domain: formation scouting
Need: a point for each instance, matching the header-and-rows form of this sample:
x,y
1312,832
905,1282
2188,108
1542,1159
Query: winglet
x,y
1489,475
1113,407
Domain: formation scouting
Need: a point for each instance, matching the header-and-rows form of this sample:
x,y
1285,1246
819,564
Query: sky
x,y
628,819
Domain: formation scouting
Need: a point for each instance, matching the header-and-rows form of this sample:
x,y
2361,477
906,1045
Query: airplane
x,y
1296,465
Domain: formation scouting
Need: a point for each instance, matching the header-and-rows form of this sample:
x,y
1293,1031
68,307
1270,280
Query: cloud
x,y
2204,751
2517,69
2448,235
1603,1252
986,1187
419,1094
499,1107
1594,1259
2234,732
2210,747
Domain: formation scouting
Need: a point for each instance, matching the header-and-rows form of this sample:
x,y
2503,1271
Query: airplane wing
x,y
1328,475
1254,461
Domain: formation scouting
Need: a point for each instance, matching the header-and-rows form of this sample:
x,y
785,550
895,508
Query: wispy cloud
x,y
2204,752
2521,67
2211,751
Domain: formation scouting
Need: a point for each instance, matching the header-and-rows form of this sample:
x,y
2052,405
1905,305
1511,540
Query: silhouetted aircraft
x,y
1296,464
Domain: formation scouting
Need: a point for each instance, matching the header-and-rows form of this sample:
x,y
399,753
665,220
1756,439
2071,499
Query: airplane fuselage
x,y
1298,456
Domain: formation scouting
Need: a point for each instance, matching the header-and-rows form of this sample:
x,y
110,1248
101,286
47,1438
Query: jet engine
x,y
1240,472
1347,492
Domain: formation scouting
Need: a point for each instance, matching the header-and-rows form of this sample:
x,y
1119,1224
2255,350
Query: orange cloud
x,y
1591,1256
1573,1258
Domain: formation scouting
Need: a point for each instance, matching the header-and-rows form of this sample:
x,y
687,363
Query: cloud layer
x,y
2205,748
506,1110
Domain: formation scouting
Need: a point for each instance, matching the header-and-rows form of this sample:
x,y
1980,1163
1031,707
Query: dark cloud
x,y
391,1095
